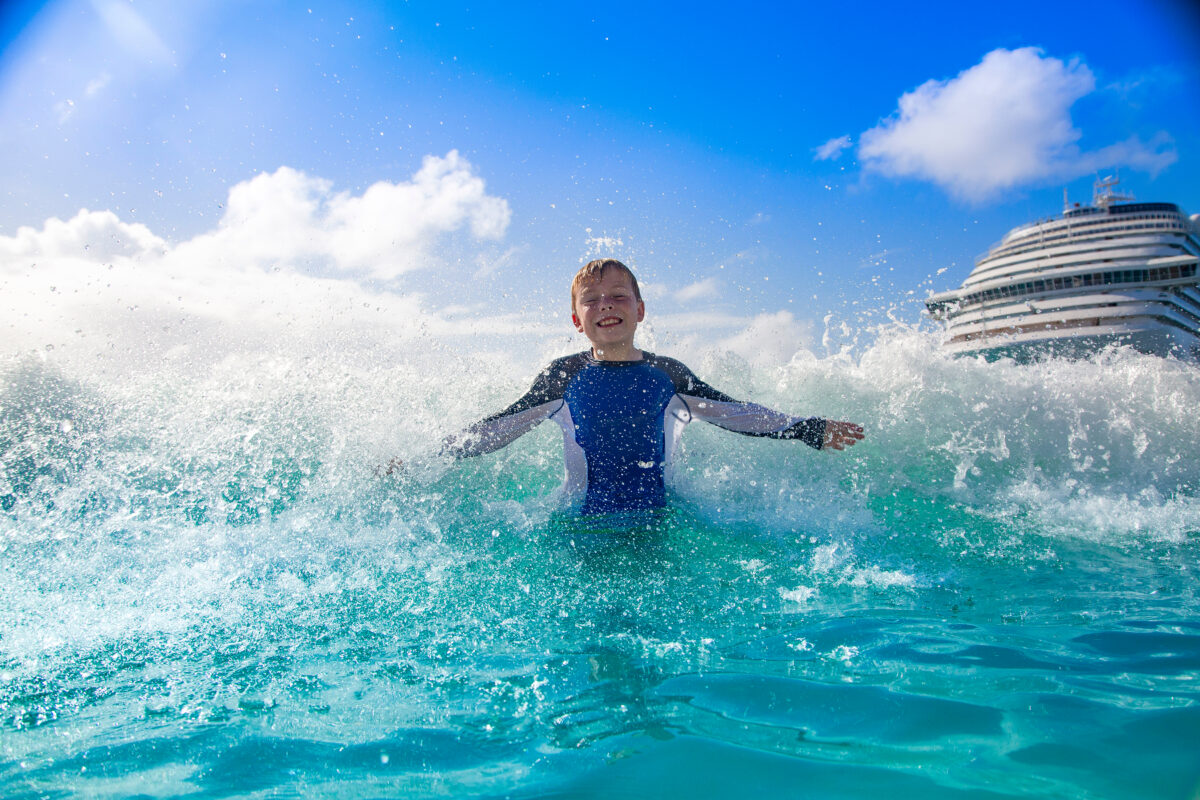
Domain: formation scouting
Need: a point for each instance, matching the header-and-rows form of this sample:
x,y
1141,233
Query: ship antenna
x,y
1103,194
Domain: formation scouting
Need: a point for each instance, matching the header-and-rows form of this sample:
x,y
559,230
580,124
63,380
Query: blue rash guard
x,y
621,421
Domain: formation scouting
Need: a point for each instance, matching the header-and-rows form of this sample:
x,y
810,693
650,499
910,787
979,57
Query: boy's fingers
x,y
840,434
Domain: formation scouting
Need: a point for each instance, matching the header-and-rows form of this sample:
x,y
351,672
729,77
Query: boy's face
x,y
607,311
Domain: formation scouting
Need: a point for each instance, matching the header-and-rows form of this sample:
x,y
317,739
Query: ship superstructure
x,y
1117,271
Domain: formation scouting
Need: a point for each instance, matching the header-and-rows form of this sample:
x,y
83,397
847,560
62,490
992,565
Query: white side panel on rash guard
x,y
575,486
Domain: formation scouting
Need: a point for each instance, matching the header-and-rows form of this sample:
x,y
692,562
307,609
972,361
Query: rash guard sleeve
x,y
537,405
749,419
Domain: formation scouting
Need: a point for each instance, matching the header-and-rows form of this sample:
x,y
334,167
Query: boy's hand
x,y
840,435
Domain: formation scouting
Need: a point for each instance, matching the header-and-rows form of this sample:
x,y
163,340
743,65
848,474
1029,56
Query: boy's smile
x,y
607,312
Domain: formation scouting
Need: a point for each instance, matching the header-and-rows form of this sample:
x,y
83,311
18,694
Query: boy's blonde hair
x,y
594,271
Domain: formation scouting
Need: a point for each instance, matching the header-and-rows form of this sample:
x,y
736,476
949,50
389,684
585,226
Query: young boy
x,y
622,410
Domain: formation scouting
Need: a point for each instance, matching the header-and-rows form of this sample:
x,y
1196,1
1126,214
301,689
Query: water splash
x,y
213,550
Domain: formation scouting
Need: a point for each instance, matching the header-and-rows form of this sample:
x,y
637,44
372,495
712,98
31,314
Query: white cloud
x,y
1152,156
95,285
771,339
288,218
404,218
831,150
94,236
270,279
714,325
697,291
1002,123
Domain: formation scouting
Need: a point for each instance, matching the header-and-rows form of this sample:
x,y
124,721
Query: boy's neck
x,y
613,352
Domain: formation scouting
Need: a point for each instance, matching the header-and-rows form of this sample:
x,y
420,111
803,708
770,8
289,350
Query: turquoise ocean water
x,y
206,592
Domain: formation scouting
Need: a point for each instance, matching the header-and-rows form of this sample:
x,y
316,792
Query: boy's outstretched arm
x,y
485,436
495,431
750,419
840,435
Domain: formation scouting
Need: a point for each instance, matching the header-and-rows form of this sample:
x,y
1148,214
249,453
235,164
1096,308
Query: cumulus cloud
x,y
90,235
831,150
289,218
280,274
1002,123
98,284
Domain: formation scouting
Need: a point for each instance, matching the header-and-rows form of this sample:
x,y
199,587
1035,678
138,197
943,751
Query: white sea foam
x,y
880,578
799,595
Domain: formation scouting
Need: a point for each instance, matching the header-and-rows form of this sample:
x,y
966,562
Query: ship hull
x,y
1031,346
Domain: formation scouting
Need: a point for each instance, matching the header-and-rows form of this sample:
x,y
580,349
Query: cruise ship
x,y
1114,272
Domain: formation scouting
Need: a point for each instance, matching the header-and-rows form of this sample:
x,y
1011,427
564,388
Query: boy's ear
x,y
578,324
641,311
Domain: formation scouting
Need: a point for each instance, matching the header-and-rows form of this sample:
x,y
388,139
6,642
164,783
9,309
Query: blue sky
x,y
753,161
